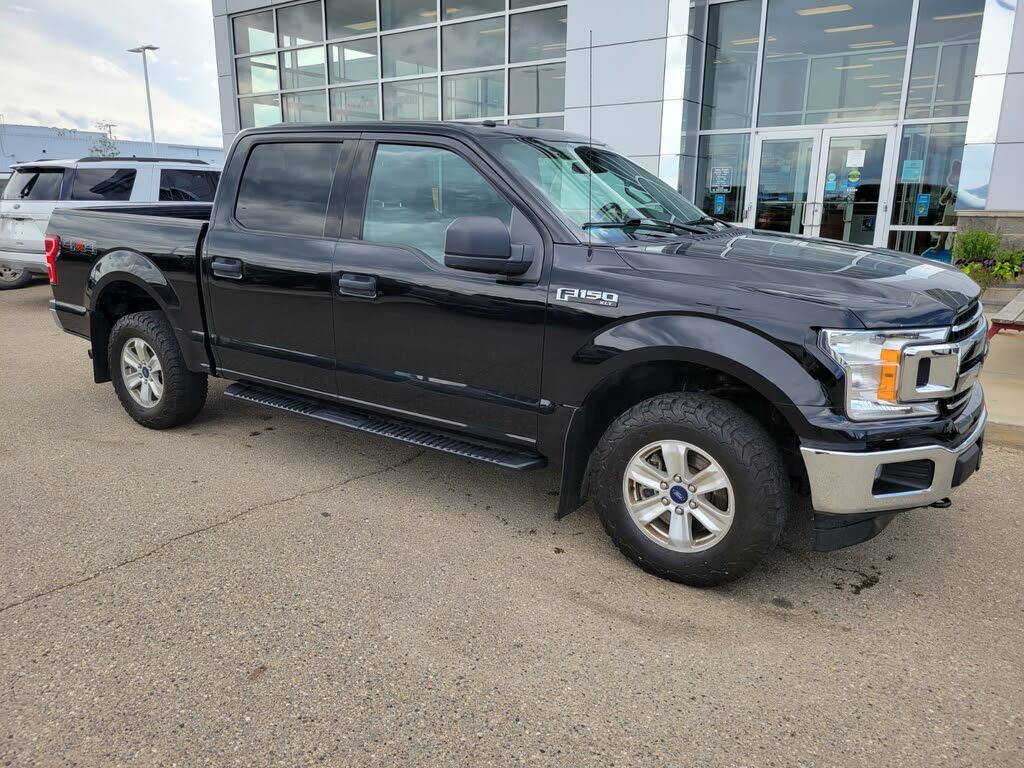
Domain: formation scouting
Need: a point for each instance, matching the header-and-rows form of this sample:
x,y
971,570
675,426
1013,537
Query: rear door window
x,y
109,184
34,184
187,186
286,187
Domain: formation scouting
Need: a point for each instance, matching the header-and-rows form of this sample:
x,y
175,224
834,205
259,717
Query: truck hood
x,y
882,288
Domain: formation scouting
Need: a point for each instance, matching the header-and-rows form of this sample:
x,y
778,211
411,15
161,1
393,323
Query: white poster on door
x,y
855,158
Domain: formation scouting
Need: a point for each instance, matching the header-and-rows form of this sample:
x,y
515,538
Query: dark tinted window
x,y
34,184
103,184
188,186
285,187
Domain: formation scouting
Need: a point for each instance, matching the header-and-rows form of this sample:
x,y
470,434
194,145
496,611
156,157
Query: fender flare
x,y
757,361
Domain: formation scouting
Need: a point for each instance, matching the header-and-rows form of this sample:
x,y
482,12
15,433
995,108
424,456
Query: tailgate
x,y
23,226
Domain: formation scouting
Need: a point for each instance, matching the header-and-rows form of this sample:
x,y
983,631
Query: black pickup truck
x,y
528,297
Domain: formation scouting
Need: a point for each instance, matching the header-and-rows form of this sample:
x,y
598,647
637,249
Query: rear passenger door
x,y
268,259
460,350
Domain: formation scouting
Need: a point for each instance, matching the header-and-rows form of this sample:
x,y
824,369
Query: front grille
x,y
952,406
966,322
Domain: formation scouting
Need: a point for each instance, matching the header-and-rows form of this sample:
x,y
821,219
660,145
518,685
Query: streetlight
x,y
149,103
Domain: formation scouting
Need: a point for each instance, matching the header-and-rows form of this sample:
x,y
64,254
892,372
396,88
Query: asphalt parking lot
x,y
259,589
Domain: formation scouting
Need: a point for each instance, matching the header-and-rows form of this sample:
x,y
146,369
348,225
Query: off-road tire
x,y
741,447
184,392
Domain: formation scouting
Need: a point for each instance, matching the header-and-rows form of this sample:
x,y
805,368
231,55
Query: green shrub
x,y
980,254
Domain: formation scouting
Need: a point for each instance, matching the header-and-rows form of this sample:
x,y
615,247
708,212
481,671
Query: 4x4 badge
x,y
582,296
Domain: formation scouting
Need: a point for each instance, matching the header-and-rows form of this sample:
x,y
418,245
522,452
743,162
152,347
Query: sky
x,y
65,63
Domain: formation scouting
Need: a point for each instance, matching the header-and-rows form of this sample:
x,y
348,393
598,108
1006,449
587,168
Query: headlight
x,y
872,361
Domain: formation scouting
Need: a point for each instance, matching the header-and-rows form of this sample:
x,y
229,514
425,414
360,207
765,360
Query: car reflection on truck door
x,y
267,263
459,348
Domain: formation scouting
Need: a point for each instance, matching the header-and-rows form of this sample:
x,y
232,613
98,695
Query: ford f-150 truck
x,y
530,297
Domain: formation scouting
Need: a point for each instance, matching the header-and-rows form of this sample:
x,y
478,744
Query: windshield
x,y
602,194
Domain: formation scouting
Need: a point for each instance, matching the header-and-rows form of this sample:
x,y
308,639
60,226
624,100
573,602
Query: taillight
x,y
52,246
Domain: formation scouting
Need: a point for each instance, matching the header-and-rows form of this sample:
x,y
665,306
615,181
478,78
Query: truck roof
x,y
476,131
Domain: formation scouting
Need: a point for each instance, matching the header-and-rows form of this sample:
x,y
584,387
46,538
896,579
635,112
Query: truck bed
x,y
156,244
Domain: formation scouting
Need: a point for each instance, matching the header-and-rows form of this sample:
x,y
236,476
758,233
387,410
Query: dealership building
x,y
886,122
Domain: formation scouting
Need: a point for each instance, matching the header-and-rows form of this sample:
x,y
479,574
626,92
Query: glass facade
x,y
843,120
358,60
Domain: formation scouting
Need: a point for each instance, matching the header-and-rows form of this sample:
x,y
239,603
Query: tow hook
x,y
945,503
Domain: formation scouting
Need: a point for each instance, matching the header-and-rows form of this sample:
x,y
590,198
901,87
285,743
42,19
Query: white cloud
x,y
90,77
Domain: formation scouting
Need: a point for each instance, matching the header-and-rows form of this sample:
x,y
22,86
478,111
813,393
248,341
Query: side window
x,y
111,184
416,192
187,186
286,187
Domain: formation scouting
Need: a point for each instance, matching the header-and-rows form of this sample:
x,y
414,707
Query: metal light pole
x,y
149,102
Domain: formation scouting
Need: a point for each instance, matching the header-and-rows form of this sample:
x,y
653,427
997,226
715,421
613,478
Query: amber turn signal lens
x,y
887,378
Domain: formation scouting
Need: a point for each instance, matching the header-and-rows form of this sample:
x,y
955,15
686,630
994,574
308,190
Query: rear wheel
x,y
691,488
11,278
149,373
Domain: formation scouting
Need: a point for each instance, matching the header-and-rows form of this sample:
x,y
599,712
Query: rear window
x,y
184,186
34,184
286,187
113,184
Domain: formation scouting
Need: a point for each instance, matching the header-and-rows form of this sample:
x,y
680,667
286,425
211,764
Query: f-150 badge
x,y
582,296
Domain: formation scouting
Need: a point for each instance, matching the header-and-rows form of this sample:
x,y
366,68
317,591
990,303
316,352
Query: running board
x,y
509,458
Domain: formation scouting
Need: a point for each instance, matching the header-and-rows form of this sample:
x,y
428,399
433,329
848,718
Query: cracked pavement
x,y
257,589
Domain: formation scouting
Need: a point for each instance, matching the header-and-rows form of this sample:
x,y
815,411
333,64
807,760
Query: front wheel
x,y
691,488
11,278
149,372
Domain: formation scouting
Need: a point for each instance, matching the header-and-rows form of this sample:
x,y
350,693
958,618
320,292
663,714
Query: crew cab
x,y
528,298
35,189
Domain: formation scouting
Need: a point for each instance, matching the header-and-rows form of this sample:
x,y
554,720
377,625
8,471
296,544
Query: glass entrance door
x,y
822,183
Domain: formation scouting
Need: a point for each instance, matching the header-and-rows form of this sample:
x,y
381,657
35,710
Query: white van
x,y
36,188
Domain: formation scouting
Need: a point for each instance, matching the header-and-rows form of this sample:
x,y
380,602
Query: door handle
x,y
227,268
357,285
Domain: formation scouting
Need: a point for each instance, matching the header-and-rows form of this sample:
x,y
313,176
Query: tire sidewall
x,y
20,282
753,527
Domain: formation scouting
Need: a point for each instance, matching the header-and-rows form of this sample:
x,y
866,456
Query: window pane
x,y
539,122
306,107
114,184
409,53
303,68
416,192
480,94
934,245
285,187
350,17
411,100
473,44
844,65
257,74
537,35
254,32
513,4
406,13
945,52
350,105
353,61
471,8
34,184
730,64
258,111
188,186
928,174
722,175
300,25
536,89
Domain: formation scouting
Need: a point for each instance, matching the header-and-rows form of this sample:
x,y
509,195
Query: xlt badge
x,y
583,296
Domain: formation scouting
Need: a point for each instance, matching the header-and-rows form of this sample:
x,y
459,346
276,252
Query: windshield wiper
x,y
704,220
661,226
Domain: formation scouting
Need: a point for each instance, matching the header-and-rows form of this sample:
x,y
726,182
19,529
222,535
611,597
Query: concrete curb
x,y
1005,435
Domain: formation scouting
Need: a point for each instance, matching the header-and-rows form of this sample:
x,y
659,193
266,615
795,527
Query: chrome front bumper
x,y
842,482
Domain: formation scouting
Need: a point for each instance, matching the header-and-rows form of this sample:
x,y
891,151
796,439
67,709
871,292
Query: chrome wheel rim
x,y
142,372
679,496
9,274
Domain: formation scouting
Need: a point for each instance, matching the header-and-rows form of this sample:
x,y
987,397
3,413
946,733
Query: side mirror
x,y
483,244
